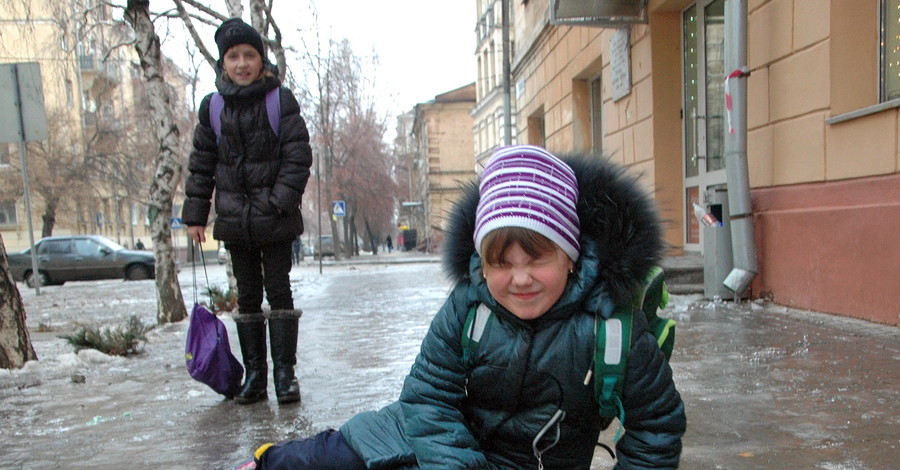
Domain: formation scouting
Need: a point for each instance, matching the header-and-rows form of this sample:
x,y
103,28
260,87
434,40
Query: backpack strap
x,y
273,111
656,296
216,105
476,323
613,343
613,337
273,108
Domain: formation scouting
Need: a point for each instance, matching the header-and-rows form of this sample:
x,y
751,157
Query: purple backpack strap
x,y
216,105
273,110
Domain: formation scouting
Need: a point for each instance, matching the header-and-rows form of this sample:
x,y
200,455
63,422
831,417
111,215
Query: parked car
x,y
327,246
81,258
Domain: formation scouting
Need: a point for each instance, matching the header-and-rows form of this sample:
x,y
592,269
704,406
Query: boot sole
x,y
251,400
288,399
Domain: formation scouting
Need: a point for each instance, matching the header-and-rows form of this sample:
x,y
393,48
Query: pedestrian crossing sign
x,y
338,209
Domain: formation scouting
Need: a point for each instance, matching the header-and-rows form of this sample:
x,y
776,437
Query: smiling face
x,y
527,282
242,64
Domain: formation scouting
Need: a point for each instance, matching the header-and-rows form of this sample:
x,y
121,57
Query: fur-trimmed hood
x,y
621,236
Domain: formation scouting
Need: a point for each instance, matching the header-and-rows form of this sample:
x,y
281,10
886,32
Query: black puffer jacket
x,y
258,177
528,376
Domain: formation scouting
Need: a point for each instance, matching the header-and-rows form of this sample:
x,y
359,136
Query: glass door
x,y
703,81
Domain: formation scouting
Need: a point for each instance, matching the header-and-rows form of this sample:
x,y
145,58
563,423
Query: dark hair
x,y
497,242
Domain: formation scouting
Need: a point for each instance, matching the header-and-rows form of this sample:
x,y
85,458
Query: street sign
x,y
339,209
176,223
22,116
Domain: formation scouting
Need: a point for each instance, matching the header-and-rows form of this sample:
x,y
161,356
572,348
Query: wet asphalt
x,y
765,387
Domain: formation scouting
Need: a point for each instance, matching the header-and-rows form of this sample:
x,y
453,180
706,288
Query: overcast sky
x,y
424,47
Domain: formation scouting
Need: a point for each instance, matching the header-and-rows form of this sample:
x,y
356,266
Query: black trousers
x,y
258,268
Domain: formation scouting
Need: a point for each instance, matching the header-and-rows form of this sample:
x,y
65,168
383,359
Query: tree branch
x,y
186,19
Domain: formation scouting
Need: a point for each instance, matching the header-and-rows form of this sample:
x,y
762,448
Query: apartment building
x,y
91,176
822,128
492,99
442,132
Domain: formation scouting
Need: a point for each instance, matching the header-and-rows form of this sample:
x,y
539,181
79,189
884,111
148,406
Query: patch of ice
x,y
92,356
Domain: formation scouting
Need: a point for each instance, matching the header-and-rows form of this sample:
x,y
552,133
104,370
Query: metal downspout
x,y
736,168
507,77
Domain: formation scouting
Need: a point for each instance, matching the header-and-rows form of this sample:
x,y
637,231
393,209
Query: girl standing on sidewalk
x,y
258,175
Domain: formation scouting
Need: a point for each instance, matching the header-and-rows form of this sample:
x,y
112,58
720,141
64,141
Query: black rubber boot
x,y
251,331
283,326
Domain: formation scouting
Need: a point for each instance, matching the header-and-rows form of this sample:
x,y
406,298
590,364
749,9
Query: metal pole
x,y
507,106
319,211
36,275
736,168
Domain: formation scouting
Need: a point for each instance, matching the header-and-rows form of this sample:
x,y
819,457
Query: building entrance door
x,y
703,81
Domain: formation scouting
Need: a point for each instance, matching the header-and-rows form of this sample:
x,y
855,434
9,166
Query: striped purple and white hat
x,y
525,186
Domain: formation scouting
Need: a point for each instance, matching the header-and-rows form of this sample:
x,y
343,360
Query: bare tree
x,y
260,18
331,66
15,342
364,177
170,303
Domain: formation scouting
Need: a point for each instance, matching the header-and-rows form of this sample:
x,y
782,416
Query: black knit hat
x,y
234,32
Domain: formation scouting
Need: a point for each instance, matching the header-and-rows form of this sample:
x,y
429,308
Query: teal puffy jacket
x,y
523,396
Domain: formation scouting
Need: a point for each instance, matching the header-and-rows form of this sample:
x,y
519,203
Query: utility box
x,y
717,255
409,240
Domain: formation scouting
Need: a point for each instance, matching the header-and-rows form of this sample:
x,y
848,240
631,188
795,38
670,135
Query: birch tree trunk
x,y
15,343
170,303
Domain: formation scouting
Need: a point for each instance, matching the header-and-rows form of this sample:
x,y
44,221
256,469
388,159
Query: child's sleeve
x,y
296,156
654,412
433,394
201,181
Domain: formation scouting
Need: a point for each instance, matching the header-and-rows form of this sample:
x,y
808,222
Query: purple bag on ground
x,y
208,354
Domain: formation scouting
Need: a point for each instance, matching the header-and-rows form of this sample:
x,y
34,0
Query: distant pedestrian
x,y
296,250
258,175
389,243
139,245
551,249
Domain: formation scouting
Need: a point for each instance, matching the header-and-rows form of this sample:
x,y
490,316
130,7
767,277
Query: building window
x,y
8,213
890,52
70,94
5,153
480,89
536,135
596,115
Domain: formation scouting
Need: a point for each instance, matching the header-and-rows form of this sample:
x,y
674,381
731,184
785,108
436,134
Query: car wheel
x,y
137,273
29,278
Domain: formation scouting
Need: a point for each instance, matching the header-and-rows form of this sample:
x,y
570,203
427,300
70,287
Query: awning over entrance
x,y
598,12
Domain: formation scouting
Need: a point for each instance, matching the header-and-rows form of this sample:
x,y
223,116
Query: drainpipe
x,y
507,106
736,169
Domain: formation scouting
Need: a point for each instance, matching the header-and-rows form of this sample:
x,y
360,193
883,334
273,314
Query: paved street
x,y
765,387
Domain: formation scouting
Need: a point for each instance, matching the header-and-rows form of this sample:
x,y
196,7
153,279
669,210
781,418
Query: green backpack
x,y
613,341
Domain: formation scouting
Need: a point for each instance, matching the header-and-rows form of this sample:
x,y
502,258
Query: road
x,y
764,386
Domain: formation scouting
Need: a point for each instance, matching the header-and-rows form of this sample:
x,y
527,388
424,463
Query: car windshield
x,y
110,244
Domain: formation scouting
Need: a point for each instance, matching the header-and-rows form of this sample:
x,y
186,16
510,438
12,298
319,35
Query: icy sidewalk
x,y
765,387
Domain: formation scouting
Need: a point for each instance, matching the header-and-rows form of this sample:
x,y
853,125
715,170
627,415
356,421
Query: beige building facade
x,y
96,165
822,141
442,132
